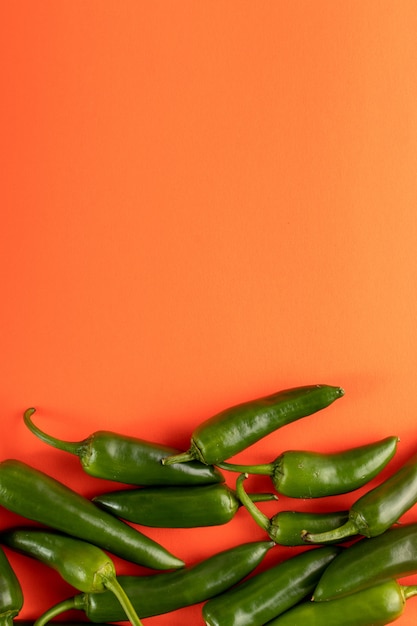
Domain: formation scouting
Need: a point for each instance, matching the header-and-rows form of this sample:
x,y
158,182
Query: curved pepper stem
x,y
265,469
54,611
182,457
338,534
409,591
260,518
73,447
113,585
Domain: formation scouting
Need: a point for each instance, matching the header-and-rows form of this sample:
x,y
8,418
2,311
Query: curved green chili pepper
x,y
285,527
128,460
11,594
378,509
176,507
368,561
35,495
302,474
234,429
271,592
376,606
162,593
83,565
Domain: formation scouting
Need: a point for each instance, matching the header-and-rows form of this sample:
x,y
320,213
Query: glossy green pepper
x,y
11,594
129,460
368,561
305,474
83,565
176,507
374,606
263,596
285,527
157,594
378,509
234,429
38,497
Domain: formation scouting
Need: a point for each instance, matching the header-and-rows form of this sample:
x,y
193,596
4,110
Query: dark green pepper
x,y
83,565
263,596
368,561
11,594
374,606
304,474
285,527
176,507
36,496
162,593
378,509
234,429
128,460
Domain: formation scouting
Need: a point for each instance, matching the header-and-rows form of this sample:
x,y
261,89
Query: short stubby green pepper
x,y
158,594
11,594
263,596
305,474
285,527
35,495
378,509
176,507
374,606
368,561
84,566
129,460
236,428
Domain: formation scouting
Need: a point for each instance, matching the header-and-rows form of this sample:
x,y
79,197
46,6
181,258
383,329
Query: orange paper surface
x,y
203,203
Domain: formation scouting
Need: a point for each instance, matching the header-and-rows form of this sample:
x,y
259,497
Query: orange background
x,y
205,202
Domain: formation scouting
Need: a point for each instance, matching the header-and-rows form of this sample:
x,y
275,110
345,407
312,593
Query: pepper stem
x,y
67,446
57,609
182,457
260,518
409,591
337,534
266,469
115,587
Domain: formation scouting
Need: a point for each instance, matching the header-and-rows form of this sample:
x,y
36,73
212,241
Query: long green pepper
x,y
38,497
307,474
129,460
176,507
234,429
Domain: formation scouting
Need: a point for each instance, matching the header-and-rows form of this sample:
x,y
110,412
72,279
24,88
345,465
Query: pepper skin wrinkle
x,y
231,431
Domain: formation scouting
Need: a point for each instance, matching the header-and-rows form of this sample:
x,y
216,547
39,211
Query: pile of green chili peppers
x,y
346,565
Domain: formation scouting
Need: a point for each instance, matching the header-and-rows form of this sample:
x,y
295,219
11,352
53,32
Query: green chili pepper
x,y
286,526
265,595
378,509
83,565
128,460
11,594
302,474
41,498
236,428
374,606
368,561
176,507
162,593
